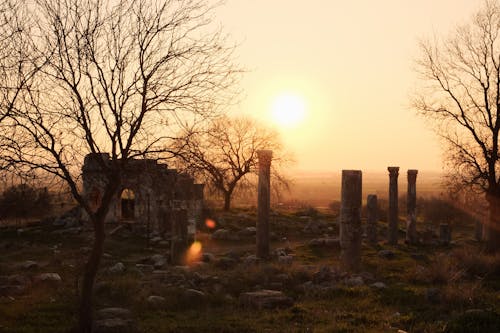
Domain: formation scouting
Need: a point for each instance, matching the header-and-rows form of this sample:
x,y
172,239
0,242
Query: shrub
x,y
22,201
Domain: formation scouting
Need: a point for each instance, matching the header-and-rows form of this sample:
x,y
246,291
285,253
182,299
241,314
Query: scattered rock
x,y
379,285
155,240
251,260
286,260
387,254
325,274
156,301
117,268
207,257
195,296
28,264
158,261
265,299
247,232
107,313
49,278
354,281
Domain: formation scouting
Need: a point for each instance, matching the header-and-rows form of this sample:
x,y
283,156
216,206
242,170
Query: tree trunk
x,y
227,201
492,226
85,319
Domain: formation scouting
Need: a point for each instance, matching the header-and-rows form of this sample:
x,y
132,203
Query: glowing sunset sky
x,y
351,62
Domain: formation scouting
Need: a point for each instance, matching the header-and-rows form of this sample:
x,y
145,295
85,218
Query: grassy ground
x,y
430,288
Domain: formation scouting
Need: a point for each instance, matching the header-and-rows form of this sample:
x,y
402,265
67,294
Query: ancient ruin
x,y
264,202
411,220
151,196
393,205
350,219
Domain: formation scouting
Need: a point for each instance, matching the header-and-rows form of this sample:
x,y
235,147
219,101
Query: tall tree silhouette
x,y
461,96
109,76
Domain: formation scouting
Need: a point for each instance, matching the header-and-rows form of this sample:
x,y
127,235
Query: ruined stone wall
x,y
158,193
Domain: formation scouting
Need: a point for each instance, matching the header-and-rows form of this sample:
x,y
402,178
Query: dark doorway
x,y
128,204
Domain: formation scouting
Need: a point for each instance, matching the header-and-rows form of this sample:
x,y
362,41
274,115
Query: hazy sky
x,y
351,61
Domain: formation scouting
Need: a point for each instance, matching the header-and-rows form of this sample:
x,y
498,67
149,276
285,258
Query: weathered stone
x,y
247,232
354,281
350,219
151,192
325,274
265,299
52,278
444,233
117,268
115,312
286,260
28,264
156,301
251,260
179,240
393,205
221,234
379,285
264,202
158,261
333,243
207,257
372,218
411,219
194,296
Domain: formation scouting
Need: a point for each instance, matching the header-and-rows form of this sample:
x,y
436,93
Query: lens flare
x,y
193,254
210,223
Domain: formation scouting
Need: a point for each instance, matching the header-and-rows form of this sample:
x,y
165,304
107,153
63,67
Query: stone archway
x,y
128,205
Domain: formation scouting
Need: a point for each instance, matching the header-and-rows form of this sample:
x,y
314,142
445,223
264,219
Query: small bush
x,y
22,201
442,269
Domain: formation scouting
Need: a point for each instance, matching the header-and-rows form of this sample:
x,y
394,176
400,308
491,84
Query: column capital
x,y
412,175
393,170
265,157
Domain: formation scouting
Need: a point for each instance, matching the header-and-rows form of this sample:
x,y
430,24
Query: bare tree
x,y
110,76
461,96
226,152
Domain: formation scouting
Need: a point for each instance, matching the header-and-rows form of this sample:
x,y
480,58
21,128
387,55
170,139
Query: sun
x,y
288,110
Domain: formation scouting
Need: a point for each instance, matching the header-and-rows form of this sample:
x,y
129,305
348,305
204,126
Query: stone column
x,y
179,240
350,219
393,205
372,218
264,202
411,204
